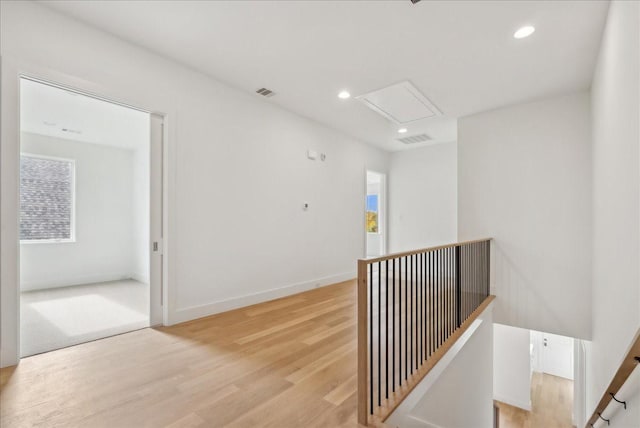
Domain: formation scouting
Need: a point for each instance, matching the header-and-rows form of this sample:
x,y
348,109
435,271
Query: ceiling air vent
x,y
265,92
413,139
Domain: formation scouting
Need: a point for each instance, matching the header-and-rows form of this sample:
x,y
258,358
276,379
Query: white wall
x,y
460,396
524,175
512,366
237,172
103,249
140,230
616,199
423,197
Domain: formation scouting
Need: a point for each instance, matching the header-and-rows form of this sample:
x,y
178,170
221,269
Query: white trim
x,y
200,311
58,282
72,225
413,422
511,402
382,209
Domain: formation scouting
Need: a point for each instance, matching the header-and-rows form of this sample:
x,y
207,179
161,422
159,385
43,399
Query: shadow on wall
x,y
519,301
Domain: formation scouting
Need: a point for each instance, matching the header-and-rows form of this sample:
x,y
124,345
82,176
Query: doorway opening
x,y
85,209
536,377
375,218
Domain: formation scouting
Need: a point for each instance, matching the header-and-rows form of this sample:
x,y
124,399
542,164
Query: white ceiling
x,y
55,112
460,54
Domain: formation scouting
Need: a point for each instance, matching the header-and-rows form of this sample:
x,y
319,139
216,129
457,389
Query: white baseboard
x,y
516,403
200,311
414,422
74,280
140,277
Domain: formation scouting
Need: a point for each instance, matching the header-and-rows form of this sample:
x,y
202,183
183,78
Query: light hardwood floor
x,y
286,363
551,405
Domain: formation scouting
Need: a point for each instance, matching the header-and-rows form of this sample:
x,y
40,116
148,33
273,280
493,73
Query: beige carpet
x,y
60,317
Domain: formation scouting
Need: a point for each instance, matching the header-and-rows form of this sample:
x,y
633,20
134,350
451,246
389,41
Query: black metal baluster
x,y
452,288
411,302
446,293
449,292
485,270
371,380
400,320
393,325
465,281
475,277
470,279
488,268
406,321
419,311
432,265
415,312
421,293
482,269
438,306
424,306
469,282
418,308
445,296
472,263
386,326
379,333
451,296
437,298
440,303
458,288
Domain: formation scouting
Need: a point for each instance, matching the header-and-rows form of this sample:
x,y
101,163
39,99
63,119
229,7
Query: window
x,y
46,199
372,213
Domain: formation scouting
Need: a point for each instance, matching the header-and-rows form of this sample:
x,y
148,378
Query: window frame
x,y
72,223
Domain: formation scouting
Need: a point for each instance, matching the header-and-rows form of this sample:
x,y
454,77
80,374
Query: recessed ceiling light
x,y
402,130
344,95
523,32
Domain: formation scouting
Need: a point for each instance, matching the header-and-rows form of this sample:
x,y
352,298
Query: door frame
x,y
382,204
11,71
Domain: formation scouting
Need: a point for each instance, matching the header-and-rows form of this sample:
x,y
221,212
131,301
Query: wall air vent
x,y
400,103
413,139
265,92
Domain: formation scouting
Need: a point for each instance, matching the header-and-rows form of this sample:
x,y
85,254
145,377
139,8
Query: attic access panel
x,y
400,103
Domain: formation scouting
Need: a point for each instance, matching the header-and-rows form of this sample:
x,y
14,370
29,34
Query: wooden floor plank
x,y
286,363
270,364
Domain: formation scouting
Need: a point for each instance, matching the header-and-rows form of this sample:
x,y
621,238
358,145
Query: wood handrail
x,y
624,371
390,256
